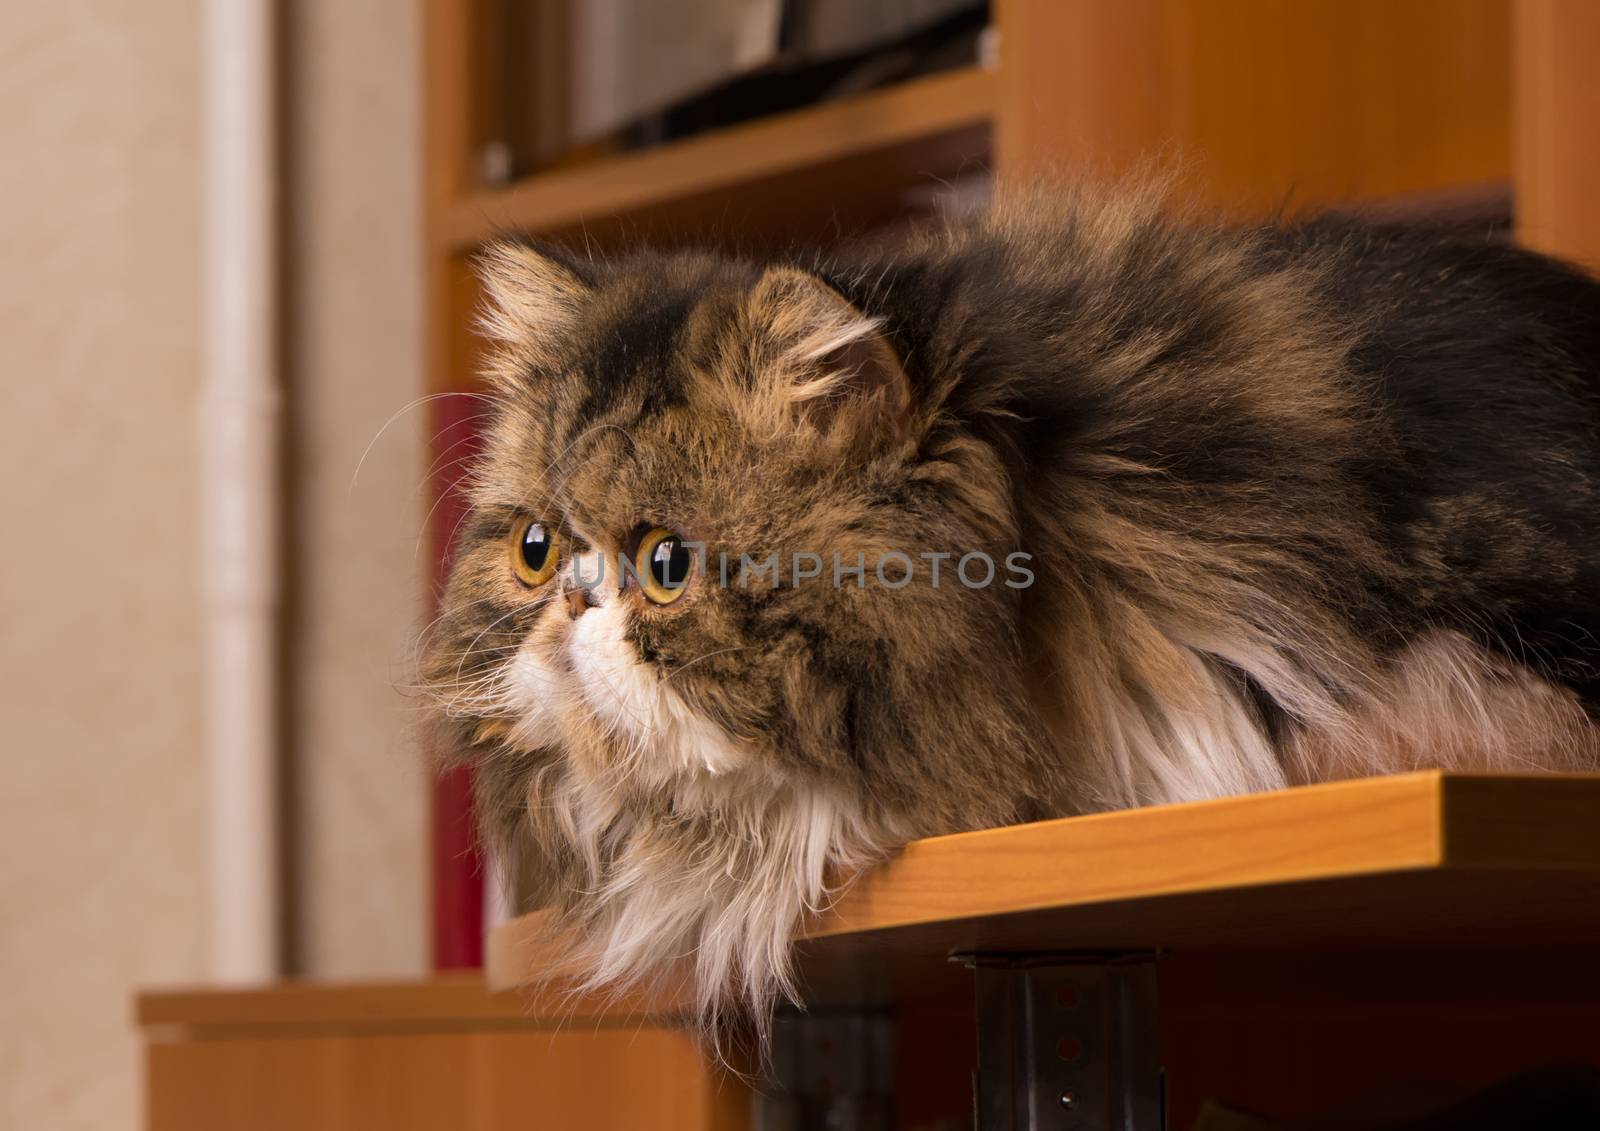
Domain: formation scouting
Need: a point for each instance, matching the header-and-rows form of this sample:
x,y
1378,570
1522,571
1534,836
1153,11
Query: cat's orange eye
x,y
535,551
664,563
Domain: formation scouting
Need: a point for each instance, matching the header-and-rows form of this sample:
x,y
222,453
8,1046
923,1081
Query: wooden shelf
x,y
410,1056
859,152
452,1001
442,1002
1425,860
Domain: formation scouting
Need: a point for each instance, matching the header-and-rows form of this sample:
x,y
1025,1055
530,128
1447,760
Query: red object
x,y
458,871
458,875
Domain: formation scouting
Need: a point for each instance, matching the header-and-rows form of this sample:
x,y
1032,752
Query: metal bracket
x,y
1068,1042
829,1070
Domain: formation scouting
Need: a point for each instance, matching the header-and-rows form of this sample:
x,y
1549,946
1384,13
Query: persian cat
x,y
773,565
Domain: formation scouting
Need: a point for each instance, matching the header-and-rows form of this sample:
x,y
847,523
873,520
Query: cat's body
x,y
1296,503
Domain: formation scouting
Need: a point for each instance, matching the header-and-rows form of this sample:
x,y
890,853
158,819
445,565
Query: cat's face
x,y
626,638
661,434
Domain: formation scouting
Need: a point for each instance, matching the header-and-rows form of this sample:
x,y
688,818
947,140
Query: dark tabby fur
x,y
1301,502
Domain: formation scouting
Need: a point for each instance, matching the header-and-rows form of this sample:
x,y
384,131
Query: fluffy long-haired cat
x,y
774,565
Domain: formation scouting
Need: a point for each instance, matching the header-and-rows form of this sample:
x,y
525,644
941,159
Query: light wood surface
x,y
346,1007
447,1002
1343,830
1416,860
914,121
1558,127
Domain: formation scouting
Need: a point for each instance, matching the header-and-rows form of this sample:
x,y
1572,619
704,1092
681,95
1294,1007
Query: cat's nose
x,y
579,601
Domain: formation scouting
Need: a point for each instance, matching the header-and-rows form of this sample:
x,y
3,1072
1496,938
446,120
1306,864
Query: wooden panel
x,y
1558,122
449,125
1348,828
1417,860
310,1006
442,1003
1317,100
1421,862
1082,83
914,120
610,1080
1267,102
436,1053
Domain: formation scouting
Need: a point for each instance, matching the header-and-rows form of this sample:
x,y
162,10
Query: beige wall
x,y
101,783
355,360
101,848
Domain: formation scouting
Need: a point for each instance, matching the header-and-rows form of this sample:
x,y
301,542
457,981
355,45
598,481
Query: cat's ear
x,y
532,297
826,360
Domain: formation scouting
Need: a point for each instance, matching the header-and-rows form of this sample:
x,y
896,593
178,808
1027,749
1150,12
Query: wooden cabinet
x,y
1557,102
1311,946
439,1054
1262,105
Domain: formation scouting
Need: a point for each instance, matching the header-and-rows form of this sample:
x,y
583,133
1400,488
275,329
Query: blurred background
x,y
235,247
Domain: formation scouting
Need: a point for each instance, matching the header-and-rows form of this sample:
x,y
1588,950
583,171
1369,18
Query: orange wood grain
x,y
442,1052
1424,860
1342,829
606,1080
448,136
1558,122
1083,84
1267,103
